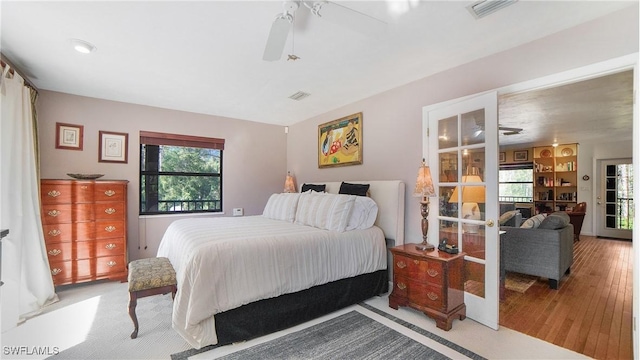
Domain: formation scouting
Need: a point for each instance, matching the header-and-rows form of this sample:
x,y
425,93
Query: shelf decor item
x,y
340,142
566,152
69,136
424,189
113,147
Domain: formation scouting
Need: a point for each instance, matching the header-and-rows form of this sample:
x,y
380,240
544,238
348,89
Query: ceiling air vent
x,y
483,8
299,95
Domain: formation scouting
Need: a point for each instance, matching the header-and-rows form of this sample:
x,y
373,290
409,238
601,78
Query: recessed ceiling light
x,y
82,46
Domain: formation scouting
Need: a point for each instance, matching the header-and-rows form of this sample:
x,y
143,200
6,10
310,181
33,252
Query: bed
x,y
244,277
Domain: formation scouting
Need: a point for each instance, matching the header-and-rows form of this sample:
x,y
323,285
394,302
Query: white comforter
x,y
223,263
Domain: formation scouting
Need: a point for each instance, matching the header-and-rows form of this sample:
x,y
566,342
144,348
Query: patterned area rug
x,y
352,335
519,282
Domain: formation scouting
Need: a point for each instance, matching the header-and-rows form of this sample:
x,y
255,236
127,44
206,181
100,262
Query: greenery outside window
x,y
516,183
180,174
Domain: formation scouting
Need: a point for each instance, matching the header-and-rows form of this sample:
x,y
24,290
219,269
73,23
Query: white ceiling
x,y
206,57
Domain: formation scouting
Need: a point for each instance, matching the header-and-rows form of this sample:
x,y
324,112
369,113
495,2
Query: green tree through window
x,y
176,179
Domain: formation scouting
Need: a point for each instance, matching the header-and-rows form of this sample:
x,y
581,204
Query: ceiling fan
x,y
326,10
507,130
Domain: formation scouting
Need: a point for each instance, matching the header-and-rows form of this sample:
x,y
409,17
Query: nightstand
x,y
429,281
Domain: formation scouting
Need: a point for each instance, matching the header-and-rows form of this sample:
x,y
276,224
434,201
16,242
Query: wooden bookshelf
x,y
555,180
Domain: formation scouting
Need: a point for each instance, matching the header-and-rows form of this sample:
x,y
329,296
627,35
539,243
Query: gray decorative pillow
x,y
555,221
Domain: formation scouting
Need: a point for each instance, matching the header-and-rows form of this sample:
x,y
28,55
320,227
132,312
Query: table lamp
x,y
424,190
289,184
471,196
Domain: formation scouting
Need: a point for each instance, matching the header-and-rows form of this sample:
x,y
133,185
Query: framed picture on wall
x,y
69,136
521,155
113,147
503,157
340,142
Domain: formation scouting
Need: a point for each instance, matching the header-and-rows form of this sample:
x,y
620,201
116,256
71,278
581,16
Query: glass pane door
x,y
615,200
463,149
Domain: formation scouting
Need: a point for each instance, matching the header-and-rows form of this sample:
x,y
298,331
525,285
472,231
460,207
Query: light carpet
x,y
519,282
351,334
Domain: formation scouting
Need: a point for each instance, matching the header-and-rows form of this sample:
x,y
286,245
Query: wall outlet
x,y
238,212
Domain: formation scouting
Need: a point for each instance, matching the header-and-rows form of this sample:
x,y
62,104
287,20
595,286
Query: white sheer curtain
x,y
25,269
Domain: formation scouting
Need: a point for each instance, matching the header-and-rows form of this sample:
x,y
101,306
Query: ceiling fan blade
x,y
352,19
512,129
277,38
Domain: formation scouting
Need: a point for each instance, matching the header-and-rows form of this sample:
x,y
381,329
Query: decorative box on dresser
x,y
429,281
85,229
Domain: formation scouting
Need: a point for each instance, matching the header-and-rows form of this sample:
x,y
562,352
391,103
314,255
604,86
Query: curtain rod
x,y
13,69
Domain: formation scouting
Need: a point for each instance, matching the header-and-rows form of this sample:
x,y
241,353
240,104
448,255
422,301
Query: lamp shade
x,y
470,194
424,182
289,184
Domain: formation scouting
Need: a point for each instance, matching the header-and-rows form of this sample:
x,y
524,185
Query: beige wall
x,y
254,160
392,121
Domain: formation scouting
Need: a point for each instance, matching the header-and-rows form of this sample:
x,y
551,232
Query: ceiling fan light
x,y
82,46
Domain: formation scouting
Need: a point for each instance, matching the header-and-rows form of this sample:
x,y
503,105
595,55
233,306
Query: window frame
x,y
165,139
519,166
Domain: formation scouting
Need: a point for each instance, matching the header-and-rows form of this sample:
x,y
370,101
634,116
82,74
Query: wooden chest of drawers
x,y
429,281
85,229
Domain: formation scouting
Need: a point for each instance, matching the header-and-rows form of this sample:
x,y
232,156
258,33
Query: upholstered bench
x,y
148,277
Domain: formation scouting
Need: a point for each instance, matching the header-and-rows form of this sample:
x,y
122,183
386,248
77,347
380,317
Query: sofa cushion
x,y
504,218
533,222
555,221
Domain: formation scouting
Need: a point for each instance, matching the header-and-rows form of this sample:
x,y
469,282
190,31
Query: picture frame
x,y
503,157
69,136
521,155
340,142
113,147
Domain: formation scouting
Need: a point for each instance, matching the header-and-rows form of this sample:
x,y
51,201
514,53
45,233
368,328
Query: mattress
x,y
223,263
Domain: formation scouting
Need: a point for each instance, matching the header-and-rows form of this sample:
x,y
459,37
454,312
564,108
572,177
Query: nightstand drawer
x,y
426,295
419,270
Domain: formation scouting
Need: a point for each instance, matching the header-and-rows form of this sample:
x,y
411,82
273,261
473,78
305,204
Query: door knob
x,y
490,223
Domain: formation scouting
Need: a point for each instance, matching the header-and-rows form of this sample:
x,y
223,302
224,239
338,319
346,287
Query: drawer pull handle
x,y
401,264
110,246
110,228
402,286
84,187
417,262
54,232
112,263
109,192
433,296
55,271
109,210
54,193
54,213
54,252
432,273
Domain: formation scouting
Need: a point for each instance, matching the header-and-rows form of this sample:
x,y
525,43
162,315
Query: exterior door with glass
x,y
463,155
614,205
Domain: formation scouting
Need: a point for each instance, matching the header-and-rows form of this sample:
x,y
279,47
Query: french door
x,y
462,144
614,205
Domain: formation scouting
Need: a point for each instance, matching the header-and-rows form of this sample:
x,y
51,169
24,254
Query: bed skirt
x,y
270,315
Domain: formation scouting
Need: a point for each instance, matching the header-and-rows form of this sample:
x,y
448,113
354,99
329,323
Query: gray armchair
x,y
540,252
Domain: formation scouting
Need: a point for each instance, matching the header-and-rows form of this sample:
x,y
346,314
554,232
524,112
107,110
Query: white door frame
x,y
627,62
601,228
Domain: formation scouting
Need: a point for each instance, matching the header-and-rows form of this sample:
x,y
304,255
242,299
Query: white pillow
x,y
364,213
282,206
533,222
324,211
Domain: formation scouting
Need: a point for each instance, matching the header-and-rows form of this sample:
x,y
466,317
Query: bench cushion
x,y
151,273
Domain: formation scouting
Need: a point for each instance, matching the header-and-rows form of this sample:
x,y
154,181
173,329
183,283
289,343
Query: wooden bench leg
x,y
133,301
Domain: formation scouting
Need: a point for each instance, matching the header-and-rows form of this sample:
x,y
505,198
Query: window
x,y
516,183
180,174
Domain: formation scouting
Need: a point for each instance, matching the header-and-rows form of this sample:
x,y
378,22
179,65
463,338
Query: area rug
x,y
519,282
352,335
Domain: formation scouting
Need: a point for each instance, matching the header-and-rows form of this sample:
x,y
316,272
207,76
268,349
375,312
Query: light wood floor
x,y
591,311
